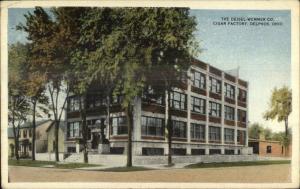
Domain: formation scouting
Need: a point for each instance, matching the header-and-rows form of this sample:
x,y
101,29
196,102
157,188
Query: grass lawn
x,y
126,169
37,163
235,164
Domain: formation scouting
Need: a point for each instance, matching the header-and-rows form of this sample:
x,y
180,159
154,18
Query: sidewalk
x,y
154,166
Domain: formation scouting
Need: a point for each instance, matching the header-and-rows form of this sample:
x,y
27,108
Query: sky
x,y
262,52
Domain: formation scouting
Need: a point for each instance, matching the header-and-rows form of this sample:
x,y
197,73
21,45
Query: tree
x,y
49,49
280,108
267,133
18,104
172,55
255,130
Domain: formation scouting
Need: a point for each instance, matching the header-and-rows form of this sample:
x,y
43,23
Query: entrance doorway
x,y
95,140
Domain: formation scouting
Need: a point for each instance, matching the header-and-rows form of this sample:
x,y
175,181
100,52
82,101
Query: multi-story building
x,y
209,116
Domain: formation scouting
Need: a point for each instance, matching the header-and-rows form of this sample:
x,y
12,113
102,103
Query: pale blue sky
x,y
263,53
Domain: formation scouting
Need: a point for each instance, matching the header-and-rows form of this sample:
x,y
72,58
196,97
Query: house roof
x,y
61,125
10,132
28,124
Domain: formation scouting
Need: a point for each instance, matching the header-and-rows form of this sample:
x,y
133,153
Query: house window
x,y
197,131
229,113
229,91
74,103
229,135
214,109
74,129
24,133
150,96
198,105
198,80
179,129
152,126
119,126
242,116
242,95
30,132
269,149
215,85
214,134
178,101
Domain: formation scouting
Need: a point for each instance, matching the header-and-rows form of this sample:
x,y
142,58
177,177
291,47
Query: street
x,y
246,174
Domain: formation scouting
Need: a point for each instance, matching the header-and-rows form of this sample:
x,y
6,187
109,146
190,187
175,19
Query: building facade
x,y
25,138
209,116
263,147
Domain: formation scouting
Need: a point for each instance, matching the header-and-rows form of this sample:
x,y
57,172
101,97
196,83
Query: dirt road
x,y
251,174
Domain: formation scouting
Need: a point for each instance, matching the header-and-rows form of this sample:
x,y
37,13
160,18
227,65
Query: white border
x,y
221,5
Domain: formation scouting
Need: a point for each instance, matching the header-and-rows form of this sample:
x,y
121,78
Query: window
x,y
152,151
197,151
269,149
229,113
150,96
229,91
73,103
242,116
119,126
242,95
178,151
214,109
215,85
214,133
152,126
95,100
179,129
30,132
198,105
229,135
178,100
74,130
229,152
197,131
214,151
198,80
24,133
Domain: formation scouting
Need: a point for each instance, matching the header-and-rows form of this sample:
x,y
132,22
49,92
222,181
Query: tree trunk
x,y
56,140
17,148
84,127
33,130
170,132
286,136
286,126
129,119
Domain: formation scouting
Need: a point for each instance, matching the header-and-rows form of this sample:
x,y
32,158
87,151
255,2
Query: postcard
x,y
139,94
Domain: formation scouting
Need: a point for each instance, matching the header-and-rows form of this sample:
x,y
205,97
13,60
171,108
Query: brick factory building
x,y
209,116
264,147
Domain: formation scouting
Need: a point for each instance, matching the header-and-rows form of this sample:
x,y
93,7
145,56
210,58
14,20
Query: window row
x,y
92,101
152,126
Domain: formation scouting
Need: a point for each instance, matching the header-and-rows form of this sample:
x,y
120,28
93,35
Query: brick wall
x,y
276,149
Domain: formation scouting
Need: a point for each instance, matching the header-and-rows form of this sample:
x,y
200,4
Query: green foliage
x,y
18,104
255,130
267,133
281,104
